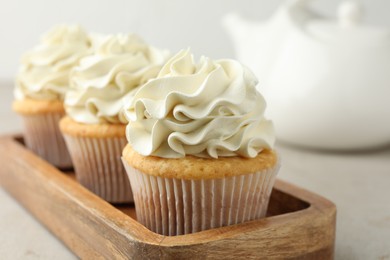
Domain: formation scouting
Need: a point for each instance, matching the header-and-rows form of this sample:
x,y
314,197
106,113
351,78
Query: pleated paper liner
x,y
178,206
42,136
98,166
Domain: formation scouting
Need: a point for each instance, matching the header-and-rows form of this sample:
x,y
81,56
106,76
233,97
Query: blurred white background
x,y
173,24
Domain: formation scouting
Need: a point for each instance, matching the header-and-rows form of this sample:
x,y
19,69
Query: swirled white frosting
x,y
206,109
104,81
44,72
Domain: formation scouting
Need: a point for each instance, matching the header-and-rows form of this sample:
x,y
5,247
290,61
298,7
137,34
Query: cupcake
x,y
94,128
200,152
41,84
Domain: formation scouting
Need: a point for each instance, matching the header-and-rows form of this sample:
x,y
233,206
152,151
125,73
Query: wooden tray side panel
x,y
311,236
49,197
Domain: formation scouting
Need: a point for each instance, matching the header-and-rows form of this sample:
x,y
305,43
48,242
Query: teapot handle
x,y
350,13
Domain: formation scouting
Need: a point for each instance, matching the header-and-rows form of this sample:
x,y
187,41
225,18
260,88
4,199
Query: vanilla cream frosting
x,y
44,72
104,81
206,109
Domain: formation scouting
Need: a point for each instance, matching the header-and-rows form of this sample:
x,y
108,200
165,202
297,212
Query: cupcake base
x,y
96,153
41,132
177,206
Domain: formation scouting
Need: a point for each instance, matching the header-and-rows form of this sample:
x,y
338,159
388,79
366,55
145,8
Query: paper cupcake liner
x,y
43,136
177,206
98,166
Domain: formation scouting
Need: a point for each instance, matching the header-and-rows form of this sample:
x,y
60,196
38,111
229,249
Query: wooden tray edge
x,y
131,238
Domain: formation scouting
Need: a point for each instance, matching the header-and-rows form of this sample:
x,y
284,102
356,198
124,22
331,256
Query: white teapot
x,y
327,82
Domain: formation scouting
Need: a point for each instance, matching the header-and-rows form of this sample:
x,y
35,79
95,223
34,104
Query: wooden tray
x,y
300,224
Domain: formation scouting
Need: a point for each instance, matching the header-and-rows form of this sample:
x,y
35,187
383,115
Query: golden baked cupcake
x,y
94,128
41,84
200,152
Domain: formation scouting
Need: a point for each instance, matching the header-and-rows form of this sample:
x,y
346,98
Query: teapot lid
x,y
348,27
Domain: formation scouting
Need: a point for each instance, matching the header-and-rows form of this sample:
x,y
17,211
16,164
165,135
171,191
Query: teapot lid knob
x,y
350,13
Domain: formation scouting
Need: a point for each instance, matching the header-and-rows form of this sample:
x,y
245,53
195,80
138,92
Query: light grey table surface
x,y
358,183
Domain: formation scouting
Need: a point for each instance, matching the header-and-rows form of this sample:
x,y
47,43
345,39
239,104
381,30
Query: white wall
x,y
172,24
